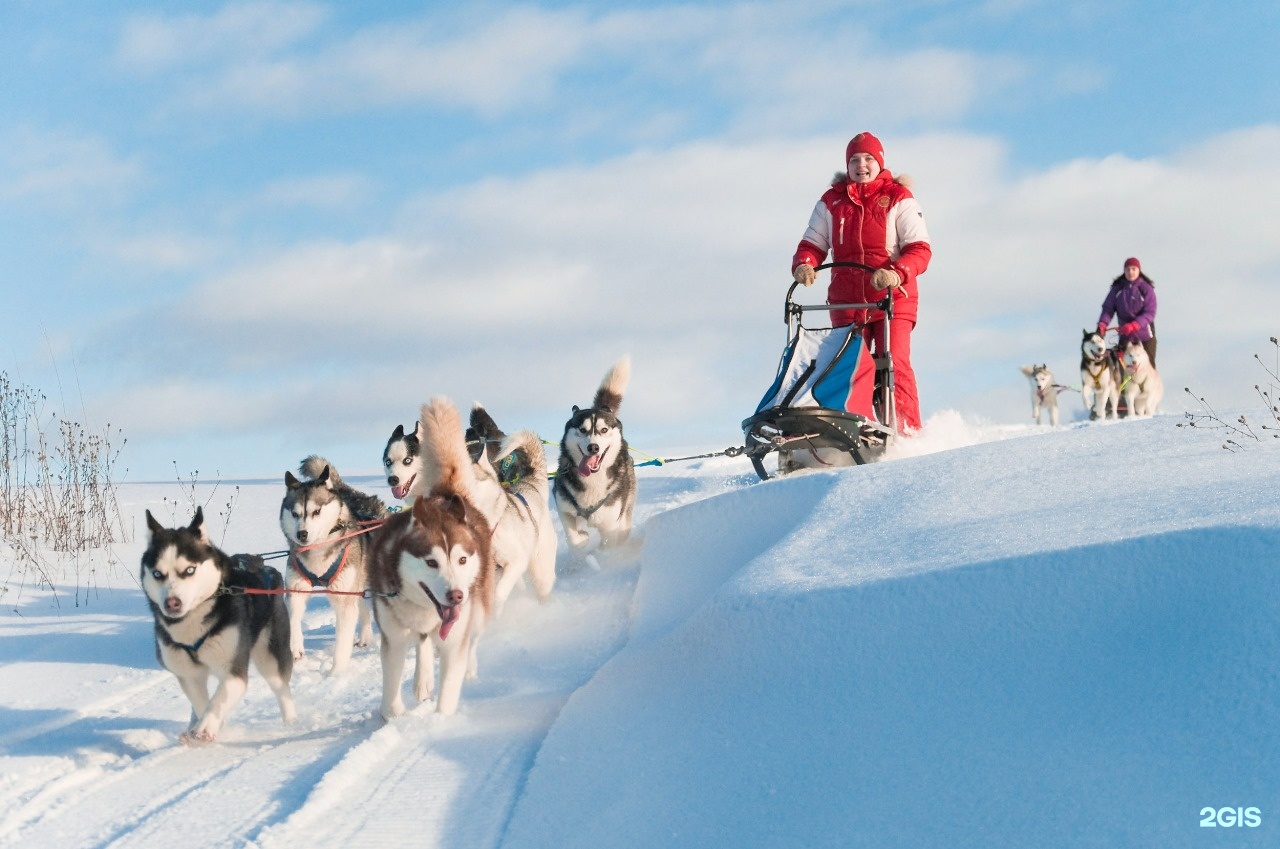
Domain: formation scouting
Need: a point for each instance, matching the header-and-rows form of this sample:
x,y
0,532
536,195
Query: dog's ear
x,y
324,478
420,510
197,525
418,432
152,525
455,507
290,481
398,433
575,410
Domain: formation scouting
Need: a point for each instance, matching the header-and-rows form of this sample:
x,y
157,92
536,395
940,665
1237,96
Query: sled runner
x,y
831,403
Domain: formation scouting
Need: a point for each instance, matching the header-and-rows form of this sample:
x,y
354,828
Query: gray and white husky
x,y
1044,392
206,624
1100,376
595,482
432,572
322,519
1143,387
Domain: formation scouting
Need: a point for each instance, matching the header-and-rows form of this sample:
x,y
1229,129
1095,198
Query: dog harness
x,y
189,649
328,577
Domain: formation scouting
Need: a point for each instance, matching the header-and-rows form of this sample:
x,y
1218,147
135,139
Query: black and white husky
x,y
1100,376
402,460
206,624
595,482
1044,392
322,519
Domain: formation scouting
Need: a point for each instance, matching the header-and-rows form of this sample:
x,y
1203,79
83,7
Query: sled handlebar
x,y
792,310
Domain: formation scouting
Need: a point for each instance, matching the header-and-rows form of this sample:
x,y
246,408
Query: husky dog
x,y
1143,388
1044,392
206,624
321,518
402,457
483,433
432,572
524,538
1100,376
595,481
402,460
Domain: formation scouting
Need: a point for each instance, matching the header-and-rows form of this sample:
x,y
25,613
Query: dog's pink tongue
x,y
448,615
403,489
590,464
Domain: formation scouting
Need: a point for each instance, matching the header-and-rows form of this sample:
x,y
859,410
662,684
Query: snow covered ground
x,y
1016,637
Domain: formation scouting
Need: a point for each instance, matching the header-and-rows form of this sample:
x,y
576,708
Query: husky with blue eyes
x,y
214,614
595,482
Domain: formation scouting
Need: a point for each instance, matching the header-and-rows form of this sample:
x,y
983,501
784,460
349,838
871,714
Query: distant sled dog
x,y
595,483
1143,388
432,572
1044,392
205,623
1100,376
321,518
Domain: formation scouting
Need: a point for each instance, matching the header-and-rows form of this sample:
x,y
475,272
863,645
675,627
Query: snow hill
x,y
1016,637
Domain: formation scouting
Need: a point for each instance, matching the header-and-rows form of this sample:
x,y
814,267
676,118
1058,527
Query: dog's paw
x,y
198,737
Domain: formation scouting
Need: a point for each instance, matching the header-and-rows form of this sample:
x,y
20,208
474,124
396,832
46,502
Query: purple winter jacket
x,y
1131,301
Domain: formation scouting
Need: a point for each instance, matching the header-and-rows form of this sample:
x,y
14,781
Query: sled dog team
x,y
1106,377
434,575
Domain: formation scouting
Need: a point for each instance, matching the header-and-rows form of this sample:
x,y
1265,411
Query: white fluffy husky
x,y
517,503
1143,388
595,481
1044,392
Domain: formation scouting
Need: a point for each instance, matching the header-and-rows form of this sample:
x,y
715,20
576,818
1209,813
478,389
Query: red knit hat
x,y
865,143
1133,260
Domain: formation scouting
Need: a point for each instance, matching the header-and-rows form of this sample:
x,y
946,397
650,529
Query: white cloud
x,y
770,64
163,251
324,192
52,167
161,43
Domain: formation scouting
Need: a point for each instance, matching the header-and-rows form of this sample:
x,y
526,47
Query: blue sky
x,y
246,232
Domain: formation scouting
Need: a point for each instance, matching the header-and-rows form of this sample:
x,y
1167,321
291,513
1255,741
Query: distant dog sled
x,y
831,403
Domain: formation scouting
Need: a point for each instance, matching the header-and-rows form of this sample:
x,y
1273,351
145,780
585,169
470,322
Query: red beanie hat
x,y
865,143
1133,260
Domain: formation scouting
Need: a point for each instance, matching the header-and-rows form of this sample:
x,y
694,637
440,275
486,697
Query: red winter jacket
x,y
879,224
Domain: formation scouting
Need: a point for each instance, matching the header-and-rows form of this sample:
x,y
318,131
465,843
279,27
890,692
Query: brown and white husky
x,y
432,572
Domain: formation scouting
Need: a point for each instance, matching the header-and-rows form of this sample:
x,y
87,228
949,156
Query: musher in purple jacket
x,y
1132,300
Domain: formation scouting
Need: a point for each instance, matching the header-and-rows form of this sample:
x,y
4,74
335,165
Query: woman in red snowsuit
x,y
869,217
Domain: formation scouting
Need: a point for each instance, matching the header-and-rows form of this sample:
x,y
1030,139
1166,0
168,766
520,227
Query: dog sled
x,y
831,403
